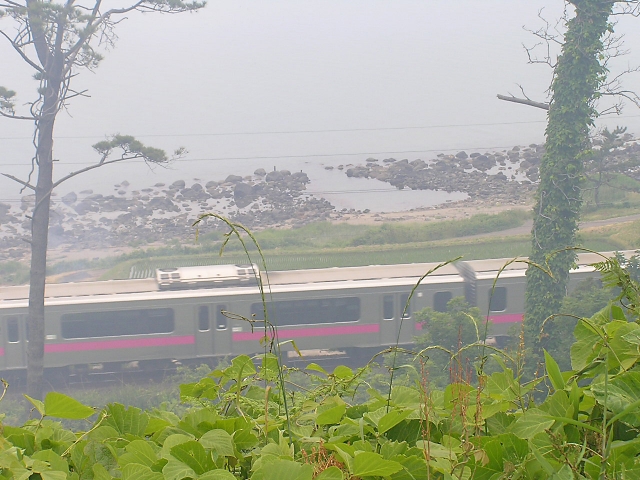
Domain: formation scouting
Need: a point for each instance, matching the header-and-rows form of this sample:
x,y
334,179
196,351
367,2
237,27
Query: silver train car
x,y
200,313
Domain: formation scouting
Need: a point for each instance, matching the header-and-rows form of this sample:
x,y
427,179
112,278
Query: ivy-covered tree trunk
x,y
577,77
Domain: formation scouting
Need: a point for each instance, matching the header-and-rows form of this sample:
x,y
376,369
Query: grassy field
x,y
324,245
620,237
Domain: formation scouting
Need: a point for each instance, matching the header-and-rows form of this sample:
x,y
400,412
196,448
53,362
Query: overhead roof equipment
x,y
207,276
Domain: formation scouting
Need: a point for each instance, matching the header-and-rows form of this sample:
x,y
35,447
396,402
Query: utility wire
x,y
331,130
310,155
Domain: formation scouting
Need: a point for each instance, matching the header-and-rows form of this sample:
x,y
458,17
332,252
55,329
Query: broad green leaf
x,y
53,475
414,468
100,473
331,473
138,452
129,420
405,396
391,419
219,441
55,461
135,471
499,423
60,405
173,440
588,344
241,367
557,405
633,336
342,372
553,371
532,422
565,473
20,437
205,388
193,455
369,464
332,415
316,368
36,403
217,475
280,469
514,449
436,450
489,463
391,449
244,439
406,431
176,470
624,353
622,396
270,367
374,417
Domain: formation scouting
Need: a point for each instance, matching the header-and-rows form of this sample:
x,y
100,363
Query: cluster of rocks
x,y
92,220
88,220
505,177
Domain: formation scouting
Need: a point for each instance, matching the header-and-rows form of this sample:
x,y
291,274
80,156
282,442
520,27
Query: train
x,y
199,314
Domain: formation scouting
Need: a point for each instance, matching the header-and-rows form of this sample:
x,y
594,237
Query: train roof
x,y
300,280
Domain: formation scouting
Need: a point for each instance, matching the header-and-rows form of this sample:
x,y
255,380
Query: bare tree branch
x,y
102,163
24,56
16,117
524,101
21,182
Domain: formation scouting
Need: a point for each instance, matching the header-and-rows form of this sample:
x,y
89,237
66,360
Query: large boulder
x,y
242,194
70,198
233,179
483,163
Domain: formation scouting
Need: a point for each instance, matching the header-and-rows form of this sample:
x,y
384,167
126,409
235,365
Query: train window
x,y
440,301
221,319
498,299
13,331
116,323
302,312
387,307
403,303
203,319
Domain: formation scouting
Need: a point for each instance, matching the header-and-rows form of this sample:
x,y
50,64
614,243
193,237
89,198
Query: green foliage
x,y
409,233
446,333
234,425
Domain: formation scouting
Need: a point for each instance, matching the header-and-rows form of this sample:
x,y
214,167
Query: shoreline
x,y
446,212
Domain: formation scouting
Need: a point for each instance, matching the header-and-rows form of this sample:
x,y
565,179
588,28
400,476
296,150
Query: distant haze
x,y
249,67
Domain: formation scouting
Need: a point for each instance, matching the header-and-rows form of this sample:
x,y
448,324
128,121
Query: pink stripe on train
x,y
507,318
1,352
495,319
311,332
119,344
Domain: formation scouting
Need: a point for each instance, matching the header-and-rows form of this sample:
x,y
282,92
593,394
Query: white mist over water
x,y
302,85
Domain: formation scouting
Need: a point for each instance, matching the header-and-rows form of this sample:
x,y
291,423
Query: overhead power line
x,y
308,155
293,132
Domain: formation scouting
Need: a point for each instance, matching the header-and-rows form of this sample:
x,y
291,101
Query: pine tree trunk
x,y
40,229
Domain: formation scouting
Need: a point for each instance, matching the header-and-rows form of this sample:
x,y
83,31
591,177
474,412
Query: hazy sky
x,y
249,67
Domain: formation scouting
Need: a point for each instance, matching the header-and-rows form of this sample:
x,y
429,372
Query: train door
x,y
13,336
222,328
204,331
406,327
394,316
